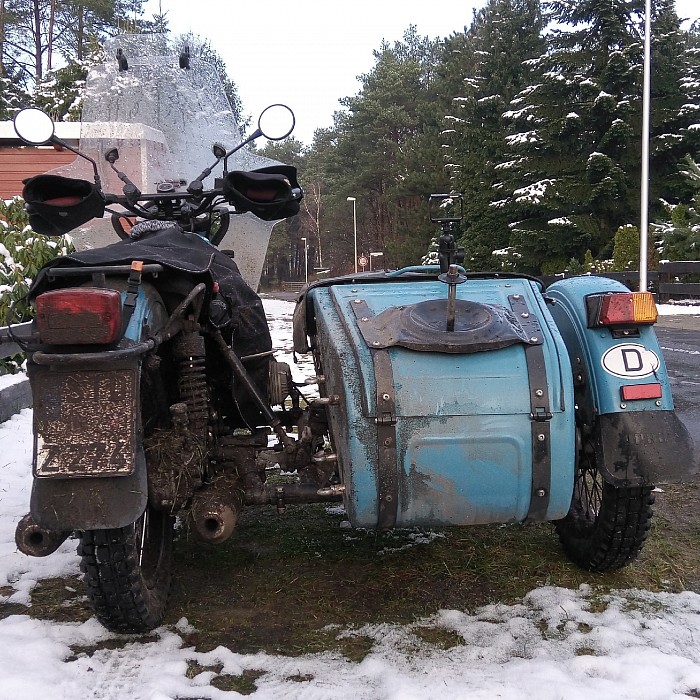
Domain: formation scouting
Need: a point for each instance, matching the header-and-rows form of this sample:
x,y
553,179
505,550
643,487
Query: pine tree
x,y
679,236
387,145
503,35
675,106
569,128
12,96
690,86
38,35
576,130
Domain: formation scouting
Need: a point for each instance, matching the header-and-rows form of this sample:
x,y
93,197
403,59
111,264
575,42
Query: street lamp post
x,y
354,226
373,255
646,117
306,261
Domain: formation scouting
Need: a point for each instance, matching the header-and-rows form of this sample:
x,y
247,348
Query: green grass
x,y
290,584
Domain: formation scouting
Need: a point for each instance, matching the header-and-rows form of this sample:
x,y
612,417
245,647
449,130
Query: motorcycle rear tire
x,y
606,526
128,572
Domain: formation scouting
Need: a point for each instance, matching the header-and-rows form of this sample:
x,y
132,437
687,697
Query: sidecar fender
x,y
638,441
642,448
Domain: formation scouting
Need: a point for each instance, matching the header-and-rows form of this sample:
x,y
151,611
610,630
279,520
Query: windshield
x,y
164,121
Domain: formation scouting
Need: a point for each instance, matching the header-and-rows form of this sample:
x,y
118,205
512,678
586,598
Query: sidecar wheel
x,y
128,572
606,526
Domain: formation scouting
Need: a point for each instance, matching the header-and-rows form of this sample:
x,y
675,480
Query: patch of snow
x,y
489,98
523,137
509,164
10,379
533,193
553,644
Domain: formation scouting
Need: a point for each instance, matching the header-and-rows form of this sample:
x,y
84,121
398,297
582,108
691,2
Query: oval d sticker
x,y
630,360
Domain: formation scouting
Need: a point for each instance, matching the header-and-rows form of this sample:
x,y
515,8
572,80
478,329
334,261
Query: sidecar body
x,y
482,423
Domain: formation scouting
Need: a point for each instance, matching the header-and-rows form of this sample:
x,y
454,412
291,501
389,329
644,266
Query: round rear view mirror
x,y
34,126
276,122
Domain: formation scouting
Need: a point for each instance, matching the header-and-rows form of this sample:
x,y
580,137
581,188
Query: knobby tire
x,y
607,525
127,584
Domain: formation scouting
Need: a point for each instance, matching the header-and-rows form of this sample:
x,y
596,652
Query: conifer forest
x,y
533,112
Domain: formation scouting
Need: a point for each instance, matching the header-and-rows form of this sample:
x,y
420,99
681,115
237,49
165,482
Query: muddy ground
x,y
281,582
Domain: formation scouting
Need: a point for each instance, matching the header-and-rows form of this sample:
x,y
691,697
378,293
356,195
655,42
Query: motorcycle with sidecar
x,y
444,397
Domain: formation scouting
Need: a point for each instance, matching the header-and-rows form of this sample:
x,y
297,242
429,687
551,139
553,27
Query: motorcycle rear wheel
x,y
128,572
607,525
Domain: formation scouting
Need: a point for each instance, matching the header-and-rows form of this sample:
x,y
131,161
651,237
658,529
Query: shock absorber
x,y
189,355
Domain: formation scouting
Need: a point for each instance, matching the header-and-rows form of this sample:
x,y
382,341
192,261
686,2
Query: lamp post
x,y
646,115
354,226
306,261
373,255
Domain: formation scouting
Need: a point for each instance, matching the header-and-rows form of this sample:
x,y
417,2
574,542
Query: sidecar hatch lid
x,y
422,326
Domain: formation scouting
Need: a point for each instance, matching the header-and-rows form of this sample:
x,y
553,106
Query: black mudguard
x,y
645,448
91,503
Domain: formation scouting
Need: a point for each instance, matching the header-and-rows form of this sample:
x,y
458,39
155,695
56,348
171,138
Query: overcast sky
x,y
309,53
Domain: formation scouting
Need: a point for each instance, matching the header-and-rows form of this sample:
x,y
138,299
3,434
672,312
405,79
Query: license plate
x,y
85,422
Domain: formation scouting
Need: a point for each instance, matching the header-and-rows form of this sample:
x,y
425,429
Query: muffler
x,y
215,511
36,541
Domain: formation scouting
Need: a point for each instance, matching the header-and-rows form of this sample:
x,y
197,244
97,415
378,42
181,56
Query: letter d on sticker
x,y
632,359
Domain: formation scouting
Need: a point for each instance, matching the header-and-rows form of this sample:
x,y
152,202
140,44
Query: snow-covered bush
x,y
431,257
22,253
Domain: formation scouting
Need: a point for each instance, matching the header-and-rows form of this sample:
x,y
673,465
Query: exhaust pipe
x,y
214,514
36,541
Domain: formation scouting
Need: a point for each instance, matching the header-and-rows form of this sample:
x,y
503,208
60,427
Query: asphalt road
x,y
679,337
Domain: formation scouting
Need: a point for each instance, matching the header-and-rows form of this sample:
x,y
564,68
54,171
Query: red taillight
x,y
625,308
79,316
635,392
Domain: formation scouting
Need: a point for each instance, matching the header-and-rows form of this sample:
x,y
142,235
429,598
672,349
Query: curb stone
x,y
14,398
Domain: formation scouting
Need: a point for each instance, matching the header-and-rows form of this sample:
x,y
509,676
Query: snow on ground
x,y
690,308
556,644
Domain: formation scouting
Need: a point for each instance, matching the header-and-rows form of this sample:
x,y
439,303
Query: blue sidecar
x,y
461,399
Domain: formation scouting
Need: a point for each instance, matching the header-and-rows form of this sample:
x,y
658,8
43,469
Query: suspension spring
x,y
189,353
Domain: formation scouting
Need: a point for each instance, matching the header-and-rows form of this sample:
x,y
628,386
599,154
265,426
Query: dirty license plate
x,y
85,423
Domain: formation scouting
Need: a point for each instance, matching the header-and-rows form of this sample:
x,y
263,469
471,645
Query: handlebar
x,y
58,204
170,206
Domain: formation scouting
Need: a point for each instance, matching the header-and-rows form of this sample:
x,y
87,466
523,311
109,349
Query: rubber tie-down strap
x,y
540,413
132,292
387,469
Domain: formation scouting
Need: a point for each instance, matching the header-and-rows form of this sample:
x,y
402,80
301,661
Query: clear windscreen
x,y
188,106
164,120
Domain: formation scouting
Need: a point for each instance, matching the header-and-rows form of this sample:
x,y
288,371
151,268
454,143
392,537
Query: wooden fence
x,y
666,282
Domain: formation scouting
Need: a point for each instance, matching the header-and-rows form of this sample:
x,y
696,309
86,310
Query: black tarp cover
x,y
236,309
